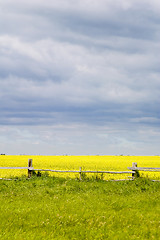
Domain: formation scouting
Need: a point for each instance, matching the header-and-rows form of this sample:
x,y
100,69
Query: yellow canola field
x,y
97,163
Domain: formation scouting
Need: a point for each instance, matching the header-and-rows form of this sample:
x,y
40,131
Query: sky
x,y
80,77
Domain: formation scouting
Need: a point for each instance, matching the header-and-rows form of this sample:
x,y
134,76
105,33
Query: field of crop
x,y
64,208
105,163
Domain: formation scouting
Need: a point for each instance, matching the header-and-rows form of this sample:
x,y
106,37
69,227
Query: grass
x,y
57,208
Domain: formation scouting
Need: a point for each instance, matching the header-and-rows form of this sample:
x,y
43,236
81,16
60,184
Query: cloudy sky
x,y
80,77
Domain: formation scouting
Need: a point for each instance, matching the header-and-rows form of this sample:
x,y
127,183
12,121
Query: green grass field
x,y
58,208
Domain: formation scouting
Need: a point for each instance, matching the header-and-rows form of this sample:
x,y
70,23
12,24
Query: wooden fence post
x,y
80,172
136,173
29,165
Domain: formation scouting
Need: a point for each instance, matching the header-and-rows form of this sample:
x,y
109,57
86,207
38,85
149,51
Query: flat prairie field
x,y
96,163
68,209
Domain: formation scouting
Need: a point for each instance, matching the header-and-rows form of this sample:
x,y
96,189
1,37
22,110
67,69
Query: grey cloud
x,y
92,64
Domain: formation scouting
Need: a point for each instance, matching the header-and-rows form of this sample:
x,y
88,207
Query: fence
x,y
134,170
29,168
